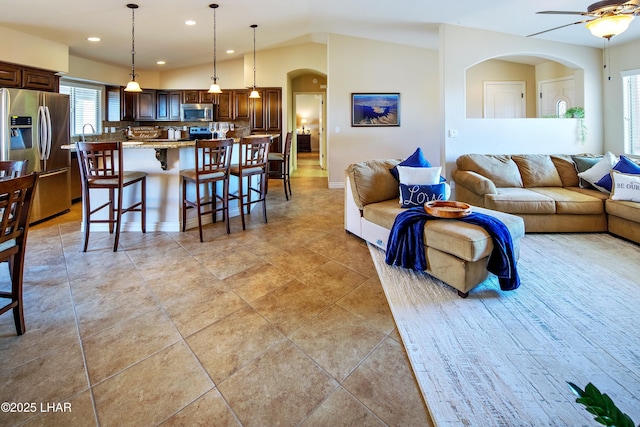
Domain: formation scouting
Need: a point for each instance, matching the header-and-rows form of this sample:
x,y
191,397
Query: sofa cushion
x,y
537,170
371,182
583,163
570,202
624,165
418,195
623,209
600,169
626,187
419,176
567,170
502,170
520,201
416,160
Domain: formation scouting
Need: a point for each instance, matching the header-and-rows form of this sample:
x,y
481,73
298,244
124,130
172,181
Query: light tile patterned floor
x,y
284,324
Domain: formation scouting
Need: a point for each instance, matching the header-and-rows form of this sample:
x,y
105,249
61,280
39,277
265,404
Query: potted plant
x,y
578,113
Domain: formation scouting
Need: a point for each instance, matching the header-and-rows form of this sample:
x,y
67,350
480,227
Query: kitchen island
x,y
162,160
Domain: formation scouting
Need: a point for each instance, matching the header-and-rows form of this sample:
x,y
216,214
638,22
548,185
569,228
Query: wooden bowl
x,y
447,209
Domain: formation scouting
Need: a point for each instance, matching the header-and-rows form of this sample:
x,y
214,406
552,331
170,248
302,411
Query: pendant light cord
x,y
215,42
133,8
254,55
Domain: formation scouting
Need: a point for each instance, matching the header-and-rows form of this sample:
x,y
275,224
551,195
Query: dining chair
x,y
102,168
13,168
212,162
283,165
253,166
16,195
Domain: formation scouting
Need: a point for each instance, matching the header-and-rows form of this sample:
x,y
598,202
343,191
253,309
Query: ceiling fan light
x,y
609,26
133,86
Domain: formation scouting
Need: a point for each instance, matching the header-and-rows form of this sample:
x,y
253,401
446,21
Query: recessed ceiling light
x,y
161,62
93,39
190,22
231,51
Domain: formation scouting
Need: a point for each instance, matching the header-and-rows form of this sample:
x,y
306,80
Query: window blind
x,y
86,106
631,99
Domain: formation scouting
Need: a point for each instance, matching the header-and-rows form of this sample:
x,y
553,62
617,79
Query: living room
x,y
431,83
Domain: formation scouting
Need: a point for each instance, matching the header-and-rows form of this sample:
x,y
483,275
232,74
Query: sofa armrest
x,y
474,182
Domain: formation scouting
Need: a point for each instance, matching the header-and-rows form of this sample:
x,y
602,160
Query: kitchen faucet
x,y
93,130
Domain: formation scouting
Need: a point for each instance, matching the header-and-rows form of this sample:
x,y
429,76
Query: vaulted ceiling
x,y
161,33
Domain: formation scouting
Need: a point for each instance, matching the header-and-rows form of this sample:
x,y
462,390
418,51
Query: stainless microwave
x,y
196,112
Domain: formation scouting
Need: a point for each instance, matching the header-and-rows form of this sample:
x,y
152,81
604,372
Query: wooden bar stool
x,y
213,158
283,166
16,195
101,167
252,165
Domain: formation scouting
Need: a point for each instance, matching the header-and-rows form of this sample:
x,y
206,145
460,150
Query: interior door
x,y
505,100
556,96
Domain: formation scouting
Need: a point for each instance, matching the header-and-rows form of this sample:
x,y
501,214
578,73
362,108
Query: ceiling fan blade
x,y
557,28
559,12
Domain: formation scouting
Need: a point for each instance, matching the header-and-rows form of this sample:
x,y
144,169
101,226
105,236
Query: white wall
x,y
461,48
24,49
361,65
230,76
623,58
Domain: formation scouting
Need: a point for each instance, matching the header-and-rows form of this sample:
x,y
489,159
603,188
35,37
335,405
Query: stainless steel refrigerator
x,y
34,126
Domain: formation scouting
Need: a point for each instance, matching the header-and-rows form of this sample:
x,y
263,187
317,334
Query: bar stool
x,y
213,158
283,166
101,167
252,165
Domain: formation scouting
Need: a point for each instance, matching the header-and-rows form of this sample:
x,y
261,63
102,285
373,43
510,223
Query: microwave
x,y
196,112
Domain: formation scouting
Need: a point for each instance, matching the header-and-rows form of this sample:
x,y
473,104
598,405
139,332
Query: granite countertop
x,y
160,143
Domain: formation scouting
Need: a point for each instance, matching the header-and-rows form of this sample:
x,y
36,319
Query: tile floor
x,y
283,324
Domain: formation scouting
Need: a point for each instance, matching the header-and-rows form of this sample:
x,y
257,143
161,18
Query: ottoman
x,y
457,252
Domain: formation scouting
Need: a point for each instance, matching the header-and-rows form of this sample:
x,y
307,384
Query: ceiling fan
x,y
606,18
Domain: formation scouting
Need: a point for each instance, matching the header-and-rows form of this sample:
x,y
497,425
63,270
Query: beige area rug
x,y
503,358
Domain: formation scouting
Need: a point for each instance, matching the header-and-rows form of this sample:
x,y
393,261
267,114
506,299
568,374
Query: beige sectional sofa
x,y
545,191
457,253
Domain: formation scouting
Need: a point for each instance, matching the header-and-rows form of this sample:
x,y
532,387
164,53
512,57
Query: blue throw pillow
x,y
624,165
416,160
418,195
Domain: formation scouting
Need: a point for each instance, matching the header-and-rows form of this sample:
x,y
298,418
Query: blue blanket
x,y
405,247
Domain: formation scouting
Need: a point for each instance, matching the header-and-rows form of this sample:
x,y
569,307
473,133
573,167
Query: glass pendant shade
x,y
254,94
609,26
215,88
133,86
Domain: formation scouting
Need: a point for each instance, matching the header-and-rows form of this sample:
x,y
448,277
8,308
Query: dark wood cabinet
x,y
304,142
197,97
17,76
266,111
224,112
241,107
168,105
10,75
138,105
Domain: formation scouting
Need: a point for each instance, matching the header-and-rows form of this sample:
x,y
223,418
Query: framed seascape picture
x,y
375,109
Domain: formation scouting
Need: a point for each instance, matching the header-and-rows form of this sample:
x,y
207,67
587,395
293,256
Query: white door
x,y
505,100
556,96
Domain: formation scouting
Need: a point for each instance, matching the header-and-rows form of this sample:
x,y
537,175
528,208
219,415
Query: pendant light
x,y
133,85
215,87
254,92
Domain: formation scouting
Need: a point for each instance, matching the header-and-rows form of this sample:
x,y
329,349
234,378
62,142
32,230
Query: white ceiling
x,y
160,32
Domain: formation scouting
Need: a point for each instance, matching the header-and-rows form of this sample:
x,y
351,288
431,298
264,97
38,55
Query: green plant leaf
x,y
601,405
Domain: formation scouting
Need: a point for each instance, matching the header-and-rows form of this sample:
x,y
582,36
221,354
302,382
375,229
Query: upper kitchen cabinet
x,y
224,111
233,104
197,97
138,105
241,104
266,112
168,105
17,76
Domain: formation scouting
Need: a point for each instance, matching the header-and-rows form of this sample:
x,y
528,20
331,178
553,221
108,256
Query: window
x,y
631,99
86,106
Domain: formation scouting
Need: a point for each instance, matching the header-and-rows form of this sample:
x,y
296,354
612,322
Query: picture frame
x,y
375,109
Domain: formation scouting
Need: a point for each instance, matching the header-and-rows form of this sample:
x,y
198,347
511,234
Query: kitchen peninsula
x,y
162,160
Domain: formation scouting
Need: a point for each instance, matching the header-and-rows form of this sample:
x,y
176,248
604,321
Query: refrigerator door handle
x,y
47,115
5,103
42,133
